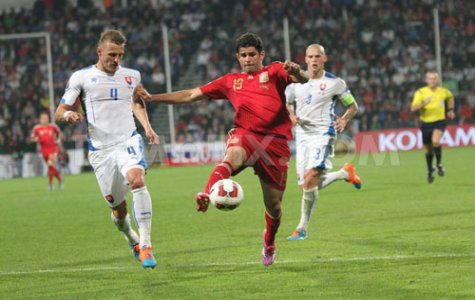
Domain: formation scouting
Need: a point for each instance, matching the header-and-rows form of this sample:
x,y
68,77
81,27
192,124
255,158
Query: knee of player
x,y
136,183
311,179
274,207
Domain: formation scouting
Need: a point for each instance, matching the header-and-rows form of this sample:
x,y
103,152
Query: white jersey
x,y
107,103
316,102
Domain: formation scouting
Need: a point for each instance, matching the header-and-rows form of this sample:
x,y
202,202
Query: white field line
x,y
257,262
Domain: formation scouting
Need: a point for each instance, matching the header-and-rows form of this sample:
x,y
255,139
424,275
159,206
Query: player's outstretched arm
x,y
295,72
65,113
178,97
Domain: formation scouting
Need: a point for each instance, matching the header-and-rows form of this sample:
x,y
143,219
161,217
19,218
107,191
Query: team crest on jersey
x,y
264,77
323,86
128,79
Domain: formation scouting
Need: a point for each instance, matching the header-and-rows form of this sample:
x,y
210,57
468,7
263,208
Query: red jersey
x,y
258,99
47,136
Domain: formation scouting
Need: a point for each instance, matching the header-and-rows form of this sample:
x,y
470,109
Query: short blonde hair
x,y
112,35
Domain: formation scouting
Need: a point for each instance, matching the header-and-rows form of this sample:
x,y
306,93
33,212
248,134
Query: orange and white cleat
x,y
146,257
352,177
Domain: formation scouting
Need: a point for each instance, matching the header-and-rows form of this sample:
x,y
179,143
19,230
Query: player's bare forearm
x,y
341,122
292,115
450,109
295,72
351,111
300,77
65,113
178,97
140,111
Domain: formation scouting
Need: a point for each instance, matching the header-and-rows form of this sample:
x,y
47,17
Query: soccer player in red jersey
x,y
48,135
261,126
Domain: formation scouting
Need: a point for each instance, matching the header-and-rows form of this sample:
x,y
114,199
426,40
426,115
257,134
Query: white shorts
x,y
112,164
313,152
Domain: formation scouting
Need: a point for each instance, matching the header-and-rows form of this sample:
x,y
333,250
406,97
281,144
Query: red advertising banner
x,y
411,138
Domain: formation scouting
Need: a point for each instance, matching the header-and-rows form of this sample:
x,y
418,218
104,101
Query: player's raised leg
x,y
142,206
272,201
347,173
121,219
234,158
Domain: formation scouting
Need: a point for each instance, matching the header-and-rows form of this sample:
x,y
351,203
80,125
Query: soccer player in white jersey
x,y
316,131
106,91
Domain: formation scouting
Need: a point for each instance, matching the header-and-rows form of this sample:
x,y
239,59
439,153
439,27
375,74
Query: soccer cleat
x,y
352,177
430,176
440,170
146,257
268,252
202,202
135,250
299,234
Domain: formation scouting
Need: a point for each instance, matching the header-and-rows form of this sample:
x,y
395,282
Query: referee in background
x,y
431,101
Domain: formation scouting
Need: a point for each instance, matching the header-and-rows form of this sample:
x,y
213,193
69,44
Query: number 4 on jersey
x,y
114,93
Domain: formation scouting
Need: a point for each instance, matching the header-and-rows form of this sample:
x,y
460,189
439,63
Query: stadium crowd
x,y
380,48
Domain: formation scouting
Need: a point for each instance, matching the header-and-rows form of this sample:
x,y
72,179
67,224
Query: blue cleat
x,y
135,250
298,235
147,258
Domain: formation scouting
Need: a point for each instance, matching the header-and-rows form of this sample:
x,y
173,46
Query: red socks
x,y
50,174
53,172
219,172
272,225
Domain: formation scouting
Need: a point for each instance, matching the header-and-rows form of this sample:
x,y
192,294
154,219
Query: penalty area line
x,y
257,262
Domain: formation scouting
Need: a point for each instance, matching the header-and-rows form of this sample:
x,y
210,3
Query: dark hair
x,y
249,40
112,35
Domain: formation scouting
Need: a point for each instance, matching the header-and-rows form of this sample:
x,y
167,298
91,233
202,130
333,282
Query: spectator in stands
x,y
465,112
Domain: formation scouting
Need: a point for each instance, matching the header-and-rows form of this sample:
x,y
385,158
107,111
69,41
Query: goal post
x,y
49,60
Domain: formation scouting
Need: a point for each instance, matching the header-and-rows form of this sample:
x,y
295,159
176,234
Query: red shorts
x,y
47,152
268,155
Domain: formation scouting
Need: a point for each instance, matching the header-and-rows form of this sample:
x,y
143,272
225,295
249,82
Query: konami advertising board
x,y
411,138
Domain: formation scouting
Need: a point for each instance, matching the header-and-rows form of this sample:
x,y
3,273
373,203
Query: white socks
x,y
124,226
328,178
142,207
309,203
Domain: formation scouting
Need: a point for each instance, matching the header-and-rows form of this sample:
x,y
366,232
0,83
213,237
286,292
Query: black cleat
x,y
440,170
430,176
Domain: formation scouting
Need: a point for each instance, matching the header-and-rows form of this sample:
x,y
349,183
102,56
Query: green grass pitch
x,y
397,238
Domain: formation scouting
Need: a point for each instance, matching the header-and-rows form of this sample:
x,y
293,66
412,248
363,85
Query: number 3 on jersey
x,y
114,93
